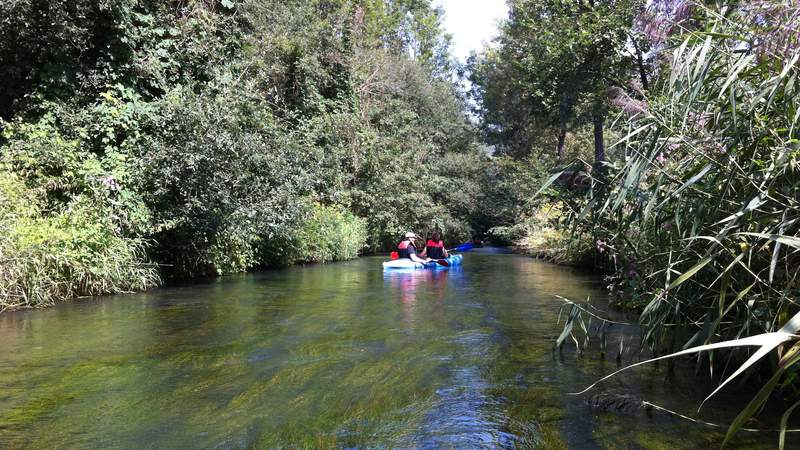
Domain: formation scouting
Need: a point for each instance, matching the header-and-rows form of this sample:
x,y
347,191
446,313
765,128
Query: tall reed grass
x,y
699,210
47,256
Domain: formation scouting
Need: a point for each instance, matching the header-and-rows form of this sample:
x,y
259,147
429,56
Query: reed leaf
x,y
709,179
784,425
688,274
766,343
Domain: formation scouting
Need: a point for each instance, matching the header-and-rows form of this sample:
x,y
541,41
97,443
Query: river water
x,y
337,355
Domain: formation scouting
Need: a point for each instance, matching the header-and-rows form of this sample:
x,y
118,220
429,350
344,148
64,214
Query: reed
x,y
698,213
47,257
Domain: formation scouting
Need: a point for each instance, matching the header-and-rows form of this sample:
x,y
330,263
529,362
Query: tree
x,y
555,61
229,134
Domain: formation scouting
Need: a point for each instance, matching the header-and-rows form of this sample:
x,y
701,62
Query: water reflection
x,y
410,285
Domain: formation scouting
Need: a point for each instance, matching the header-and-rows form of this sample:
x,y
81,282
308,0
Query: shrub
x,y
239,178
508,188
330,234
326,233
45,258
543,234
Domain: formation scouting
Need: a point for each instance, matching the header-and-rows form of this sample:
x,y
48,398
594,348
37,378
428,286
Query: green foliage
x,y
324,234
719,143
238,178
69,215
67,153
421,165
699,215
71,51
542,233
417,26
404,194
508,188
550,72
46,257
236,135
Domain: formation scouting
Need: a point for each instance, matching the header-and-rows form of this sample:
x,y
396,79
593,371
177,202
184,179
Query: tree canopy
x,y
552,66
220,136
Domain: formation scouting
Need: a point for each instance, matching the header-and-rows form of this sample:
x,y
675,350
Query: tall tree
x,y
560,56
413,27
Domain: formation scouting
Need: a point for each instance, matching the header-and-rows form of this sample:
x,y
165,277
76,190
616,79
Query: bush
x,y
238,179
325,234
543,234
330,234
45,258
508,188
68,213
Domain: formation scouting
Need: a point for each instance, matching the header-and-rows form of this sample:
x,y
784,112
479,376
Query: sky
x,y
472,23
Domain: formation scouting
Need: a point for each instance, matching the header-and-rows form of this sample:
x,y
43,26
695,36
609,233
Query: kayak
x,y
454,260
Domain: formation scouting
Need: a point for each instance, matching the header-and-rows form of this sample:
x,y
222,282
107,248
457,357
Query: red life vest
x,y
405,248
435,249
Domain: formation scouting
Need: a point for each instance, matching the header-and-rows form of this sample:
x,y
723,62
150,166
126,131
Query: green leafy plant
x,y
701,203
47,257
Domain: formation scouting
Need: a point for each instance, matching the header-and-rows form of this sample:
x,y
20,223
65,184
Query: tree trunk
x,y
562,136
642,72
565,112
641,66
599,146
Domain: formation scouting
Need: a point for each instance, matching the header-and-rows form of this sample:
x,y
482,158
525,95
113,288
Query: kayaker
x,y
407,249
434,248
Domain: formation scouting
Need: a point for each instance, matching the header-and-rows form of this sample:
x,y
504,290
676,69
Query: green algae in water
x,y
636,432
339,355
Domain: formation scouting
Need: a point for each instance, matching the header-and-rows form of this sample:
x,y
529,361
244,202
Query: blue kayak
x,y
404,263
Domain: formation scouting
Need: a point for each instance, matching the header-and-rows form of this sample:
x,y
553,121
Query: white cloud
x,y
473,23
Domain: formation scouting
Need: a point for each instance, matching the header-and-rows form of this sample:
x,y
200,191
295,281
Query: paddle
x,y
463,247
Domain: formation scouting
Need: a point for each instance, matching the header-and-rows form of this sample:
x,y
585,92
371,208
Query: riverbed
x,y
340,355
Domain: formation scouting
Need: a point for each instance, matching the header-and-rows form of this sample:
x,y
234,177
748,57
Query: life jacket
x,y
435,249
404,249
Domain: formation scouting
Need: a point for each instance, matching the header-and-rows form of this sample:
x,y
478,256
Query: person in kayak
x,y
434,248
407,249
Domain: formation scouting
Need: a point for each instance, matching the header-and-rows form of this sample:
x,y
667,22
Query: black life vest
x,y
435,250
405,248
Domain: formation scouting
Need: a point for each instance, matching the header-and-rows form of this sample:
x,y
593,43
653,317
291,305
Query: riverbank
x,y
144,141
47,259
542,234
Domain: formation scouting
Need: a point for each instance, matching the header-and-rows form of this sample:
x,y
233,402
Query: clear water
x,y
339,355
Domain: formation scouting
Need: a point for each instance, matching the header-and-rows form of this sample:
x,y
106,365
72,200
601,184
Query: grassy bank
x,y
50,257
544,234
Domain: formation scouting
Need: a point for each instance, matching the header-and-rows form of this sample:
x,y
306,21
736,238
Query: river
x,y
337,355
